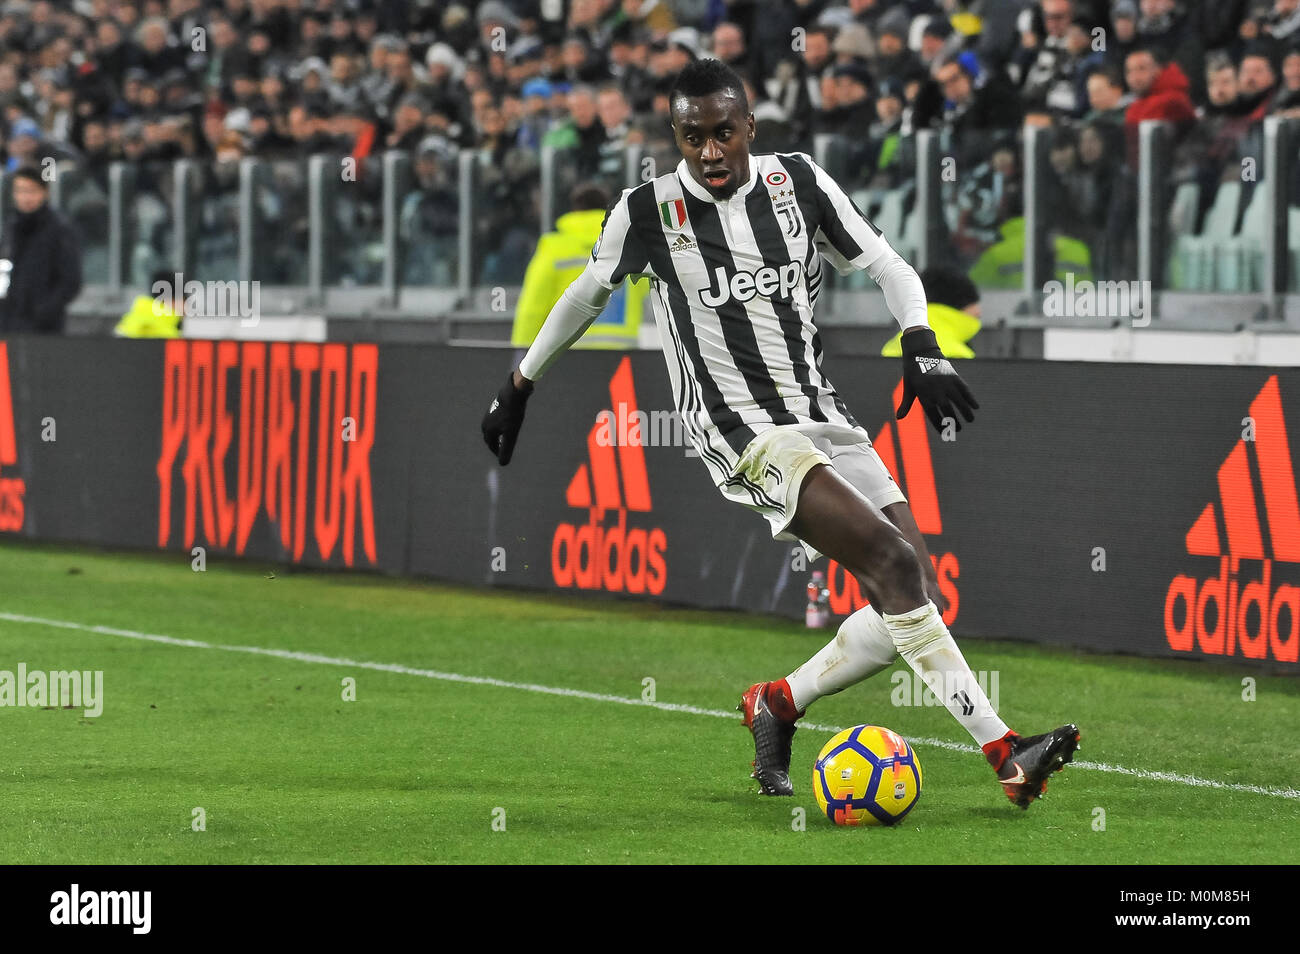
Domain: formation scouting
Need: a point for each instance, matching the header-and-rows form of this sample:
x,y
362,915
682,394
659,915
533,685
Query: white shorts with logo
x,y
773,465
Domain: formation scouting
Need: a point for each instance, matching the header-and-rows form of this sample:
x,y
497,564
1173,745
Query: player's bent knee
x,y
896,570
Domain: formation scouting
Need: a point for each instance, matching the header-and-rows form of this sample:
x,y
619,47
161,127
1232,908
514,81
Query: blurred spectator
x,y
934,40
155,53
506,227
796,85
884,138
25,146
729,47
773,131
408,124
1283,20
98,80
629,62
268,134
655,16
536,120
1214,147
1256,82
40,260
1223,120
1107,100
953,310
1173,32
1051,65
981,108
1123,37
155,315
1287,103
1256,90
217,233
583,64
560,258
1101,193
923,103
892,57
854,46
769,28
987,196
655,132
853,110
429,223
1160,92
1220,83
582,133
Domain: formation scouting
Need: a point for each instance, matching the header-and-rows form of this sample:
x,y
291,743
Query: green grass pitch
x,y
418,769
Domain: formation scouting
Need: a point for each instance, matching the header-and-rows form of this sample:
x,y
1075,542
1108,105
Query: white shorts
x,y
773,465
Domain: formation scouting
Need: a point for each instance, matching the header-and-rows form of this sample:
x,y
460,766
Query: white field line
x,y
1174,777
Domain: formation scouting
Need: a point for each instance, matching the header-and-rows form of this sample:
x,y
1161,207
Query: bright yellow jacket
x,y
149,318
560,258
1003,263
952,329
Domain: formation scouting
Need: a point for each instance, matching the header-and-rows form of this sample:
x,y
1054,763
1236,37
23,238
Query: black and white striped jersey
x,y
734,286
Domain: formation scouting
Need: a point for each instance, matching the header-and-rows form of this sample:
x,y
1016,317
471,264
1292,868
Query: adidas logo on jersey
x,y
682,244
777,283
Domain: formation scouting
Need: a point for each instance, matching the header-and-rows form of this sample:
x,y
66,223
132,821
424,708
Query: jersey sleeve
x,y
848,240
619,251
845,235
579,306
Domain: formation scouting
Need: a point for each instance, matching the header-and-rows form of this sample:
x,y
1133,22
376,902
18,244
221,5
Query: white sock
x,y
862,648
924,641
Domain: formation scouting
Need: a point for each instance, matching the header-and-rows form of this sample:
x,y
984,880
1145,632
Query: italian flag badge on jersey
x,y
673,212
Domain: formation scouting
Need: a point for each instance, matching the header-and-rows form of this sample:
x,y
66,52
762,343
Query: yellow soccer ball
x,y
867,775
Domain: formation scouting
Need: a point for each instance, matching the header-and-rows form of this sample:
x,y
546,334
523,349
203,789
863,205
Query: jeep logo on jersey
x,y
12,489
778,283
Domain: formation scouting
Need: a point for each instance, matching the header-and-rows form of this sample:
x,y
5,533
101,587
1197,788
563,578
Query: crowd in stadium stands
x,y
155,80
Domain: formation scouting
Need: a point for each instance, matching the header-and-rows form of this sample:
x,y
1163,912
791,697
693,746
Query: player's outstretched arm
x,y
930,378
577,308
850,241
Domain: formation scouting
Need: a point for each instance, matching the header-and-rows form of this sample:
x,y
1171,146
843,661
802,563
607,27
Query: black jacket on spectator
x,y
43,255
157,64
849,120
1179,38
990,118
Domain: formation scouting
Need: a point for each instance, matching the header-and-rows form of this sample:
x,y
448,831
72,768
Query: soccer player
x,y
733,243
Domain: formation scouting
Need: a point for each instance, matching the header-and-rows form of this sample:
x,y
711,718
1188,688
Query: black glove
x,y
504,418
929,377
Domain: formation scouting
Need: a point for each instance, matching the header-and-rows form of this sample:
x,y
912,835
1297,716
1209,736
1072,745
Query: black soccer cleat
x,y
1023,773
772,736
